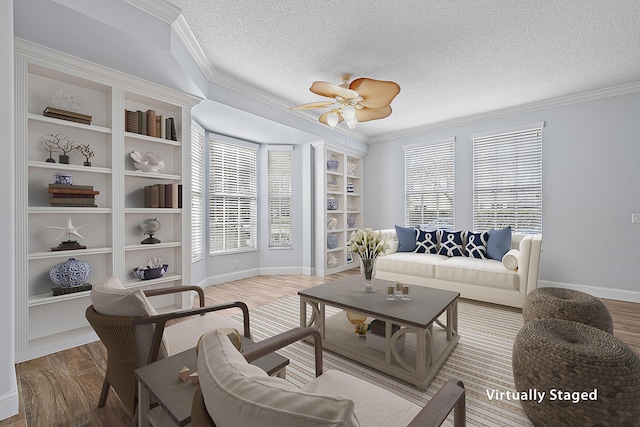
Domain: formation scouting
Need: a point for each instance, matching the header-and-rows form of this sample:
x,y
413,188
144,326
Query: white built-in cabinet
x,y
338,204
47,323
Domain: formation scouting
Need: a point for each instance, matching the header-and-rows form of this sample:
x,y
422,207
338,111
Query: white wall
x,y
8,385
591,181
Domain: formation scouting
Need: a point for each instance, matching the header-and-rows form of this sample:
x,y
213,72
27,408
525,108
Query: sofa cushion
x,y
406,238
374,406
451,243
510,259
482,272
426,242
412,264
499,243
476,246
111,298
237,394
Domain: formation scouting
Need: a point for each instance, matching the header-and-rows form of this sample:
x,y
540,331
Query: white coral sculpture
x,y
147,162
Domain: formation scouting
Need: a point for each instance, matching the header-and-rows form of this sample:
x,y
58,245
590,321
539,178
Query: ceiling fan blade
x,y
376,93
311,105
323,118
367,114
331,90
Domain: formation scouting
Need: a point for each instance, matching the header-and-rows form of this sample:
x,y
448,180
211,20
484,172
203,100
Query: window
x,y
507,179
279,165
233,198
429,184
197,231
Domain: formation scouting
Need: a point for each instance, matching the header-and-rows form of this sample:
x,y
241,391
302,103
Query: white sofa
x,y
486,280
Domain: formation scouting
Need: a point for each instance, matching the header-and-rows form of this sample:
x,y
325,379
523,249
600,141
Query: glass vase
x,y
367,267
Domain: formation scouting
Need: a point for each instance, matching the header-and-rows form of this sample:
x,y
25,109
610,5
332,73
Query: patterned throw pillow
x,y
451,243
426,242
476,246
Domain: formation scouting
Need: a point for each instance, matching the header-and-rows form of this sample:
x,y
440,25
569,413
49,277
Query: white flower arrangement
x,y
368,244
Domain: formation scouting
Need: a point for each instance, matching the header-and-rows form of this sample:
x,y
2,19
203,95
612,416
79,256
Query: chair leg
x,y
104,393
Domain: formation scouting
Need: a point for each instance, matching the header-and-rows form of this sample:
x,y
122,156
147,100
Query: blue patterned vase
x,y
332,164
70,273
332,203
351,221
332,241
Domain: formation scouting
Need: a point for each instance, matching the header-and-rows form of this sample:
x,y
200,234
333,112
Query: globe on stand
x,y
150,227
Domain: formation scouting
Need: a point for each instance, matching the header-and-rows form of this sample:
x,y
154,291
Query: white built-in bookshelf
x,y
343,183
47,323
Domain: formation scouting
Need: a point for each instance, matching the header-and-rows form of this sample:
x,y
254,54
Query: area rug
x,y
482,359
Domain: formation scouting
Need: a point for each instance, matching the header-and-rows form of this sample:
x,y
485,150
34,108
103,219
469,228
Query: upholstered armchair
x,y
134,334
232,392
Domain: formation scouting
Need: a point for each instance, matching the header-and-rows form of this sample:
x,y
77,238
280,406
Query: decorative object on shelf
x,y
333,221
59,142
349,257
332,241
368,244
63,178
332,203
70,116
351,221
62,99
72,195
70,273
63,291
358,320
147,162
154,269
351,168
69,230
149,227
350,187
86,151
332,261
332,184
50,148
332,164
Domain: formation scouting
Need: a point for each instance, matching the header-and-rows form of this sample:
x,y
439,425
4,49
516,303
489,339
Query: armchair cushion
x,y
111,298
232,389
184,335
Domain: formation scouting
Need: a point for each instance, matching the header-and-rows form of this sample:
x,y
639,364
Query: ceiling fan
x,y
361,100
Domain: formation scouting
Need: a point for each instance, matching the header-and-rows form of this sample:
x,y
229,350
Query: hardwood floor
x,y
62,389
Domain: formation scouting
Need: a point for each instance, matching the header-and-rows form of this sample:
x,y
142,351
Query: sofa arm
x,y
529,261
451,397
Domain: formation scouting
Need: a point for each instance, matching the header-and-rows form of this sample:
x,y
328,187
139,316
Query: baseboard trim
x,y
9,404
608,293
245,274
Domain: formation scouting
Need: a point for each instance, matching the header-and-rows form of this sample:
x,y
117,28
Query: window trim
x,y
289,150
197,191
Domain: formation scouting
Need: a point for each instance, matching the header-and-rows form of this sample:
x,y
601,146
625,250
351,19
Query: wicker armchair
x,y
258,409
121,336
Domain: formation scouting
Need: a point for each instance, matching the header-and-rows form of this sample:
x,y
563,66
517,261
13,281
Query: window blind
x,y
429,184
279,189
507,179
233,198
197,230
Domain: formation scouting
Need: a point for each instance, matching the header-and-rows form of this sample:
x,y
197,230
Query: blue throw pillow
x,y
476,246
406,238
426,242
451,243
499,243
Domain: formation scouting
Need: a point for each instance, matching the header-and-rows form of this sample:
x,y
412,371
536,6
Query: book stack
x,y
72,195
151,124
71,116
163,196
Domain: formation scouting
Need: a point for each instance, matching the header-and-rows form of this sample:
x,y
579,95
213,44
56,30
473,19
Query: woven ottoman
x,y
567,304
588,376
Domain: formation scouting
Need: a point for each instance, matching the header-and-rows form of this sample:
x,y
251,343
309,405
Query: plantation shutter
x,y
233,199
429,184
197,230
279,189
507,179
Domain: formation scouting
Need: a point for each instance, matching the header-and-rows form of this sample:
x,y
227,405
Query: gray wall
x,y
591,175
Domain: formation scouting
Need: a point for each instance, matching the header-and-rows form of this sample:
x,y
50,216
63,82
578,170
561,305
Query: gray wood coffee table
x,y
426,348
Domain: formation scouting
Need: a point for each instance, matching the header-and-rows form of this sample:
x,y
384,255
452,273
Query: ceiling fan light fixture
x,y
348,113
351,123
332,119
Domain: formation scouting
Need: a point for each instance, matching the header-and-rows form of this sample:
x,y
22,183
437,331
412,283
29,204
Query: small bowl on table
x,y
147,273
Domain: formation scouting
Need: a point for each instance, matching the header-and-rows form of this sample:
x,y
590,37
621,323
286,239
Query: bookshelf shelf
x,y
47,323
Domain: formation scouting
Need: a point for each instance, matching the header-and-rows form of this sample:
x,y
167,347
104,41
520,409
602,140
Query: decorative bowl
x,y
147,273
332,203
63,178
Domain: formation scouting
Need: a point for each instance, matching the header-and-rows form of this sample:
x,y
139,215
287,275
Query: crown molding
x,y
190,42
506,112
162,10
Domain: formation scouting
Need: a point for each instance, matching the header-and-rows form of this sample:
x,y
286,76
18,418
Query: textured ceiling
x,y
452,59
